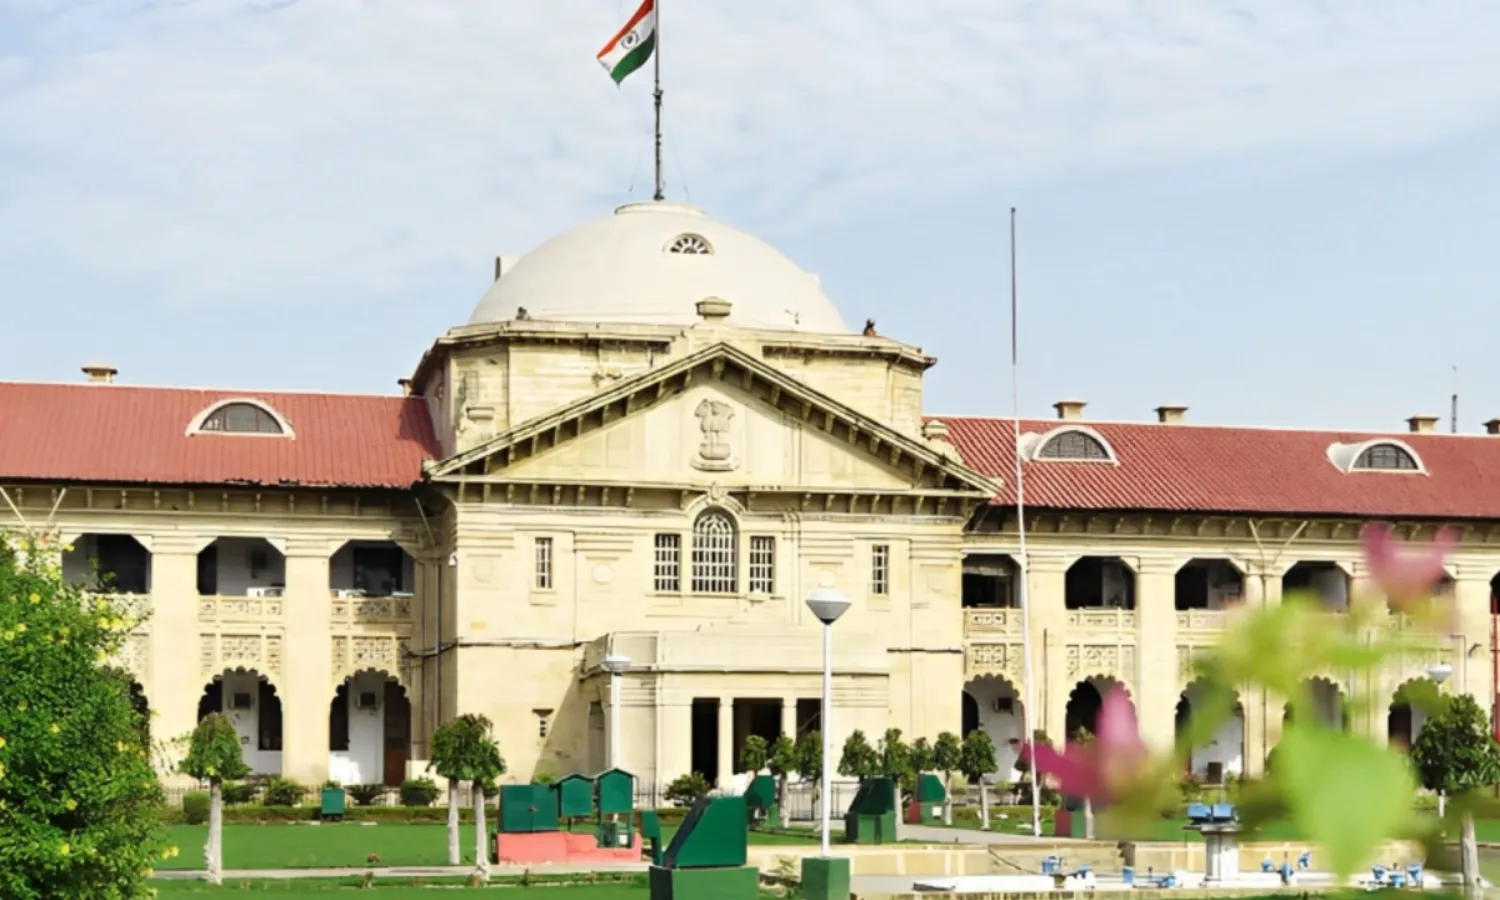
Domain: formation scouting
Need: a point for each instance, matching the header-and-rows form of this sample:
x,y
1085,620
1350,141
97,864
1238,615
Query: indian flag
x,y
629,50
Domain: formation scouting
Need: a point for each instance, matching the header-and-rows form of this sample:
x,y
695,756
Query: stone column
x,y
789,717
726,741
1157,681
1046,587
306,685
674,745
179,671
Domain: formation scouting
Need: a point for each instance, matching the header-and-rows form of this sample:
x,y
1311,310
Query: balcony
x,y
352,608
1201,620
236,610
1101,620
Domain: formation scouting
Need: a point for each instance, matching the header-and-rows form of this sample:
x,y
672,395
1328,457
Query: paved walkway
x,y
400,872
939,835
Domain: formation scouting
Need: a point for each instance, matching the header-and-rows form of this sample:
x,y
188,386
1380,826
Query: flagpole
x,y
661,193
1028,683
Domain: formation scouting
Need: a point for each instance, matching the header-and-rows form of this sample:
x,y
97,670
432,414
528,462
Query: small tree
x,y
1456,754
464,749
79,803
687,789
893,760
214,756
753,755
809,751
947,756
782,761
977,760
859,759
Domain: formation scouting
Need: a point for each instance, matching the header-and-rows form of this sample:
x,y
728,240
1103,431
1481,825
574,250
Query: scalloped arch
x,y
1032,444
1344,456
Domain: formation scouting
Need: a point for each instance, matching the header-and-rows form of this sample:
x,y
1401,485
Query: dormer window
x,y
1386,457
690,245
1073,445
240,417
1377,455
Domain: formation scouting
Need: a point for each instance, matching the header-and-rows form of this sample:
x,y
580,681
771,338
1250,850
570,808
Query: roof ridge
x,y
1221,426
188,389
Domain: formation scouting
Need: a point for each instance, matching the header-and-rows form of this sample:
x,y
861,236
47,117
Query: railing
x,y
990,620
1201,619
347,609
240,609
1102,619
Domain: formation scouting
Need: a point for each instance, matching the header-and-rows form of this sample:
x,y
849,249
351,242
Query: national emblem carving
x,y
714,452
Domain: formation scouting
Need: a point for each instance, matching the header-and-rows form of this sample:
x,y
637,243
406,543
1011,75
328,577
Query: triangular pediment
x,y
716,417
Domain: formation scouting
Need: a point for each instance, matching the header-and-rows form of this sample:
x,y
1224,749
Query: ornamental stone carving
x,y
1114,660
1102,619
133,656
714,451
379,653
260,652
995,659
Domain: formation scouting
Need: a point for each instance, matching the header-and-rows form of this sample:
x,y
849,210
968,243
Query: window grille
x,y
1388,457
241,418
880,570
544,564
715,554
762,564
1073,445
668,574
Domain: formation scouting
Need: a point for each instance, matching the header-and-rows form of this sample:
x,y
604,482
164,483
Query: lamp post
x,y
827,604
615,664
1439,673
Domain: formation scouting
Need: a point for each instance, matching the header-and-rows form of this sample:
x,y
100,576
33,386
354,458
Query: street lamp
x,y
827,604
1439,673
615,664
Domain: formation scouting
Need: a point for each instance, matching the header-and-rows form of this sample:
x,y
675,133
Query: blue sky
x,y
1280,213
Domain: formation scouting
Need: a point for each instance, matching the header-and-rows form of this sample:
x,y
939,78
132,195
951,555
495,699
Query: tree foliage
x,y
810,755
977,756
753,754
79,802
858,759
1456,751
464,749
214,753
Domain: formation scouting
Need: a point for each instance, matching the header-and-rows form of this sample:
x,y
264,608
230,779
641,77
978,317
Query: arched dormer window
x,y
690,245
1377,455
1067,444
240,417
1386,457
715,553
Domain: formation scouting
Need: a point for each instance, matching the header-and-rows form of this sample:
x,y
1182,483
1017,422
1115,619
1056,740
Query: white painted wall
x,y
364,761
1332,585
78,564
1326,704
1226,747
235,578
1002,727
246,723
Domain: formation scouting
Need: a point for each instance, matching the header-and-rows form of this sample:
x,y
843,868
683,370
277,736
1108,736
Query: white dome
x,y
650,264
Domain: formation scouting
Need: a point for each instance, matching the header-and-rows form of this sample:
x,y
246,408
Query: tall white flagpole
x,y
1022,598
661,190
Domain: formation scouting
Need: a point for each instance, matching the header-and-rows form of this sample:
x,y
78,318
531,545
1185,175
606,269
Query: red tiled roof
x,y
123,434
1195,468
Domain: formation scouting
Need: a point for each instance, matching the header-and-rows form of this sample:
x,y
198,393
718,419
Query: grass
x,y
306,846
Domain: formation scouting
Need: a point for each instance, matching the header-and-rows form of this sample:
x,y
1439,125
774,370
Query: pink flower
x,y
1405,576
1101,768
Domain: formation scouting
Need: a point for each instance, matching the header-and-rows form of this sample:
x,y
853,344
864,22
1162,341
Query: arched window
x,y
690,245
715,554
1386,457
1073,445
241,418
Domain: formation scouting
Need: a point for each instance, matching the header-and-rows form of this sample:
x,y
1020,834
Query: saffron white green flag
x,y
629,50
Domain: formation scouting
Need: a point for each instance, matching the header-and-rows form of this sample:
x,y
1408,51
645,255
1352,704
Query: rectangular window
x,y
544,564
880,570
668,572
762,564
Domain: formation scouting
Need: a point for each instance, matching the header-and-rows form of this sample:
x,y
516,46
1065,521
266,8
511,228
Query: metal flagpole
x,y
1027,721
661,192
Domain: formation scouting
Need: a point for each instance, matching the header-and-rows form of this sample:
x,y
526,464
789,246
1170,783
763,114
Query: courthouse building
x,y
653,436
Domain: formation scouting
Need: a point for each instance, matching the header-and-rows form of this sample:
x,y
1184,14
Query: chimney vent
x,y
1070,409
1422,423
100,372
1492,426
714,308
405,384
1170,414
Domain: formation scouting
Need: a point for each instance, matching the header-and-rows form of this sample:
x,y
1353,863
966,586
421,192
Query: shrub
x,y
195,807
238,792
79,802
419,792
282,792
544,777
687,789
367,794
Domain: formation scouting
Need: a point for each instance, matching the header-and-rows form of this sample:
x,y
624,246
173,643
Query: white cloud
x,y
265,148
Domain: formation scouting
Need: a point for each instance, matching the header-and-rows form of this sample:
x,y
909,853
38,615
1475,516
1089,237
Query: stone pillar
x,y
789,717
674,739
1046,588
306,685
1473,673
726,741
179,672
1157,682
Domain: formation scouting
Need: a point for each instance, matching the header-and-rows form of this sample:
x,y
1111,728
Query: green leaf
x,y
1345,793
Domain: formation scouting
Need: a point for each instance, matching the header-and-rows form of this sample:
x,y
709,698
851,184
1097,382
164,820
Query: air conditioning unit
x,y
240,701
366,700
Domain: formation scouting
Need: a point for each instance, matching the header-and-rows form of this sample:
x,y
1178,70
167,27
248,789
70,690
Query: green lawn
x,y
304,846
395,889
